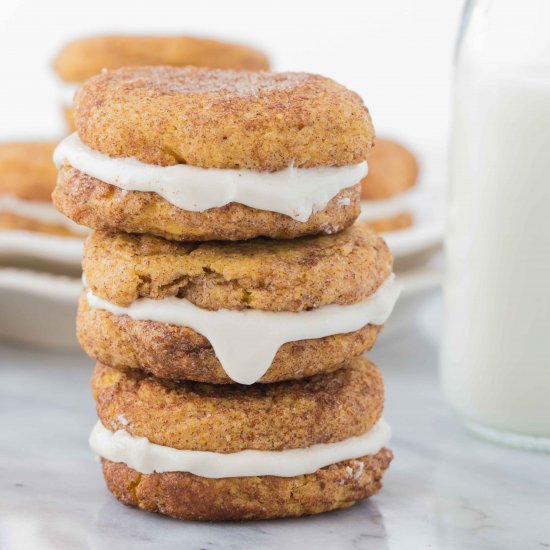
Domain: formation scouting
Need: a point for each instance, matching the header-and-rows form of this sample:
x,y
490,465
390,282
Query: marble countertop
x,y
444,490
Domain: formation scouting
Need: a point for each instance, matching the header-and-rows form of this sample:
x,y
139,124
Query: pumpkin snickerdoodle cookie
x,y
182,311
197,154
393,171
27,179
197,451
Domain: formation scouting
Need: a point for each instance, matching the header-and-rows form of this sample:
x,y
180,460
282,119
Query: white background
x,y
396,53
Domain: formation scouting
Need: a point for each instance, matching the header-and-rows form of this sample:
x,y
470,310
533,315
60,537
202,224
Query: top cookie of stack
x,y
193,154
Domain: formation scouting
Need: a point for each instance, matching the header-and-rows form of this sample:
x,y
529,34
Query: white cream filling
x,y
66,92
44,212
146,457
387,208
245,342
294,192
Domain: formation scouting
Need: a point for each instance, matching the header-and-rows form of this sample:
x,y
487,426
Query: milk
x,y
495,358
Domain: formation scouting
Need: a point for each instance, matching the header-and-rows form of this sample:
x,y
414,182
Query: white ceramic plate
x,y
24,246
427,205
38,308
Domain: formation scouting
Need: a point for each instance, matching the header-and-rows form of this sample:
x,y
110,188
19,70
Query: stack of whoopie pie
x,y
229,297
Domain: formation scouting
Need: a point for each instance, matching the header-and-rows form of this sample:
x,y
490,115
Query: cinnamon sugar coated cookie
x,y
190,497
27,170
293,275
385,191
178,352
85,57
27,179
231,418
96,204
223,119
392,170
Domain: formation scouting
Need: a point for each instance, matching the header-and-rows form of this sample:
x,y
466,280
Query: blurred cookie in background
x,y
32,232
83,58
386,190
40,250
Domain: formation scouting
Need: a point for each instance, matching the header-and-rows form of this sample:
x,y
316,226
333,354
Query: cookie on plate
x,y
386,190
194,154
27,179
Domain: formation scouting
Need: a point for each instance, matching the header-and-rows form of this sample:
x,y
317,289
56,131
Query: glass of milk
x,y
495,357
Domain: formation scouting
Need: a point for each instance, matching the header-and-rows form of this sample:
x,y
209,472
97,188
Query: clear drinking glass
x,y
495,357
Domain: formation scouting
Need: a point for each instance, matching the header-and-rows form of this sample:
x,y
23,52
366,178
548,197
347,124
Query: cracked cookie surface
x,y
294,275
